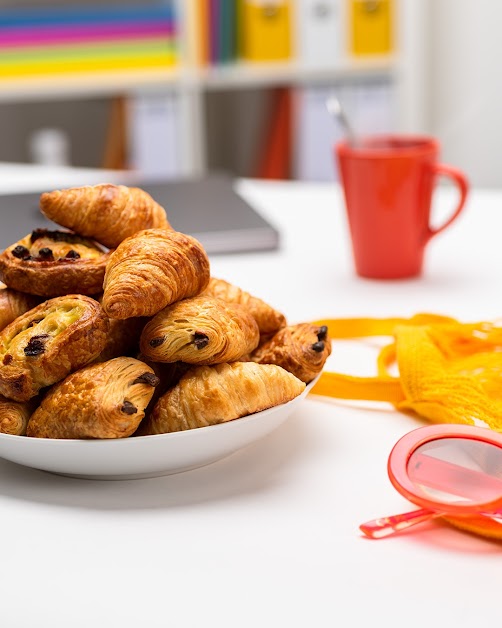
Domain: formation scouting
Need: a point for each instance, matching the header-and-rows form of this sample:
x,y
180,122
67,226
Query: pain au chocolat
x,y
107,213
207,395
152,269
200,330
54,263
104,400
301,349
45,344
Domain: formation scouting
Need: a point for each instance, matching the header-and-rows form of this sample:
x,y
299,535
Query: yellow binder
x,y
371,27
265,30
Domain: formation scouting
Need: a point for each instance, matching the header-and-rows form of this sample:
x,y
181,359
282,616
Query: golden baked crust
x,y
152,269
105,400
207,395
48,342
200,330
269,320
300,349
13,304
54,263
107,213
14,416
122,338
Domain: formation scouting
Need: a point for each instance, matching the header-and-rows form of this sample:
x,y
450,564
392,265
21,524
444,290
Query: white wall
x,y
464,87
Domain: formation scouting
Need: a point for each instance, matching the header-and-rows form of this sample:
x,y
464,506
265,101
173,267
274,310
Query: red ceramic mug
x,y
388,183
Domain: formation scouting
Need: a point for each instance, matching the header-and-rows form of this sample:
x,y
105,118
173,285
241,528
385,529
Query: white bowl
x,y
145,456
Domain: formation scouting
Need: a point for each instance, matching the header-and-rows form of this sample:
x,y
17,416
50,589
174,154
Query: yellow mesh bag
x,y
448,372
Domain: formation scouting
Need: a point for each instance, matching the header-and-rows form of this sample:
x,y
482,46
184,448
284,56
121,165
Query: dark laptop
x,y
208,208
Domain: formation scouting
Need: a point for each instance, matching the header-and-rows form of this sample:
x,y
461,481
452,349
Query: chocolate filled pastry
x,y
107,213
200,330
300,349
54,263
13,304
269,320
152,269
14,416
105,400
45,344
207,395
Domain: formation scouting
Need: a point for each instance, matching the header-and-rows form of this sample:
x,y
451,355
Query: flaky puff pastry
x,y
200,330
13,304
207,395
300,349
152,269
48,342
14,416
107,213
269,320
54,263
105,400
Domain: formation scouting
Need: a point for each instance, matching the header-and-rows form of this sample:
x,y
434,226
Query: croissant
x,y
269,320
107,213
104,400
200,330
45,344
13,304
14,416
300,349
207,395
152,269
54,263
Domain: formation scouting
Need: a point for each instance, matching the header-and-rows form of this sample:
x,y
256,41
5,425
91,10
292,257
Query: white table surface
x,y
269,536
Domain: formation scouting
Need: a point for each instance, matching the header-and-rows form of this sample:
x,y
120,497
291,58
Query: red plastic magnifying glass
x,y
445,470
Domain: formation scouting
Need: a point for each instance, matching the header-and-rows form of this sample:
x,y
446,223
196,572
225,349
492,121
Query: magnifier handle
x,y
385,526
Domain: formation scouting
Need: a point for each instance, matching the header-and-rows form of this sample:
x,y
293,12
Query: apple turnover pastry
x,y
107,213
105,400
269,320
13,304
54,263
207,395
200,330
48,342
300,349
152,269
14,416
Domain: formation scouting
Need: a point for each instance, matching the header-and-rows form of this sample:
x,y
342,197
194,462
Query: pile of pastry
x,y
113,326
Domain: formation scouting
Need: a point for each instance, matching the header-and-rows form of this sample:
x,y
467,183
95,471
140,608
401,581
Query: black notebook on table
x,y
208,208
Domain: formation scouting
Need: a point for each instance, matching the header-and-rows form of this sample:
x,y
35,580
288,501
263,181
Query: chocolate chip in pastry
x,y
13,304
269,320
207,395
200,330
107,213
301,349
104,400
54,263
45,344
152,269
14,416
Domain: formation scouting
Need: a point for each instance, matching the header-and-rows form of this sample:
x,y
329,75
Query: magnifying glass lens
x,y
457,470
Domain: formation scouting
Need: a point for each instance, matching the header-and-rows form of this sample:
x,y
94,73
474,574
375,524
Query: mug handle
x,y
460,180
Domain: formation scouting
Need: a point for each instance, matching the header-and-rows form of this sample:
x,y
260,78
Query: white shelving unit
x,y
191,84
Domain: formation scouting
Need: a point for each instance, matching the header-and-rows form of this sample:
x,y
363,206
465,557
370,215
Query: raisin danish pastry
x,y
14,416
116,394
107,213
48,342
54,263
13,304
300,349
152,269
207,395
200,330
269,320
